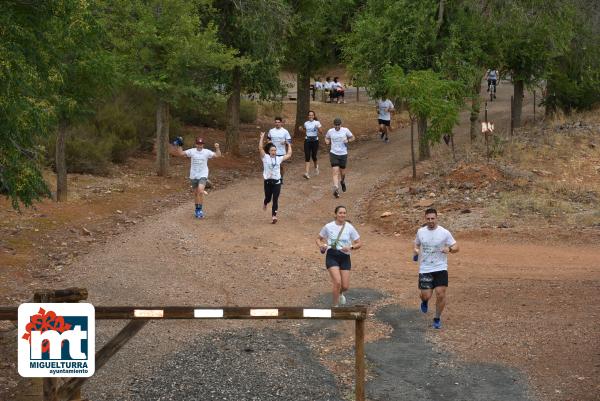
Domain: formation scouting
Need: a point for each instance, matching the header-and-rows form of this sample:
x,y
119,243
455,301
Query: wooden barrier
x,y
69,389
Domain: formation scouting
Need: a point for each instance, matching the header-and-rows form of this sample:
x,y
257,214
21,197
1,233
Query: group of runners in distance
x,y
338,238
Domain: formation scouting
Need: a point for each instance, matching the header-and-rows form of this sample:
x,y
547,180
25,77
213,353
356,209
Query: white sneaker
x,y
317,170
342,299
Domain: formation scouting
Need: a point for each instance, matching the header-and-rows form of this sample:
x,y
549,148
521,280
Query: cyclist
x,y
492,79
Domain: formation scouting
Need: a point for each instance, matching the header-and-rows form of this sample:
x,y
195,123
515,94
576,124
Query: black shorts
x,y
337,160
337,258
428,281
311,148
384,122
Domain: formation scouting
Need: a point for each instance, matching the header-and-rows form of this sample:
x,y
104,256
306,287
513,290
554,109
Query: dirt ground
x,y
520,296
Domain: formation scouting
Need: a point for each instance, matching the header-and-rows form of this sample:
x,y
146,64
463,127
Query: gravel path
x,y
243,365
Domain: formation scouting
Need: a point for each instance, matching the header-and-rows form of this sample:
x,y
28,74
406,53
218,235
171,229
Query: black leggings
x,y
272,190
311,148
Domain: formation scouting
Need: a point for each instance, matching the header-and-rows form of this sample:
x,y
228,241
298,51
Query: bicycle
x,y
492,89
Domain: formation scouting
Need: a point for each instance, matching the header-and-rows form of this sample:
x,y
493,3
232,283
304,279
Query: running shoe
x,y
274,220
306,176
424,307
336,193
342,299
343,183
437,323
386,140
199,214
317,170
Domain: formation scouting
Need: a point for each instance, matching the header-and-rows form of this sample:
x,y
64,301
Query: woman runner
x,y
338,238
312,129
272,173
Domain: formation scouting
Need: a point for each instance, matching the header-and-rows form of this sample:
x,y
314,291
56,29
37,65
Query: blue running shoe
x,y
424,306
199,214
437,323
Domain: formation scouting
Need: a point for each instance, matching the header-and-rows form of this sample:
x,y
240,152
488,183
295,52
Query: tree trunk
x,y
412,148
61,162
232,130
303,99
424,152
162,138
518,102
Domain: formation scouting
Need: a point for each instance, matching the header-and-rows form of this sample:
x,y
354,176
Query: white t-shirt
x,y
382,106
271,167
318,85
337,138
199,165
330,232
312,128
279,136
327,85
431,243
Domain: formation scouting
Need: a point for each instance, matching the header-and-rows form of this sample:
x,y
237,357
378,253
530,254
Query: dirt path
x,y
236,257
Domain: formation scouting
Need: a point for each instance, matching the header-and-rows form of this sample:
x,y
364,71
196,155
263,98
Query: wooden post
x,y
357,94
534,105
51,386
360,360
73,386
485,135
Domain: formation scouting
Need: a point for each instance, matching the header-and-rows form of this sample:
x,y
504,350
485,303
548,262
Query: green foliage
x,y
428,95
313,30
532,33
214,113
574,77
165,47
254,28
388,33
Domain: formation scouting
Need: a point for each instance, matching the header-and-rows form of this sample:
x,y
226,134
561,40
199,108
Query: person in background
x,y
338,137
198,168
311,128
272,173
281,138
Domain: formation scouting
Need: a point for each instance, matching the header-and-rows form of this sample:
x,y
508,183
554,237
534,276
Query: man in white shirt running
x,y
338,137
198,168
432,245
384,117
280,137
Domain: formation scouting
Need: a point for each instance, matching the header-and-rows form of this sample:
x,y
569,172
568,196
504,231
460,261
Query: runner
x,y
198,168
384,117
433,243
272,173
312,128
338,238
338,137
280,138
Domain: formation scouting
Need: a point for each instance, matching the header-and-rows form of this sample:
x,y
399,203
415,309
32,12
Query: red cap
x,y
200,141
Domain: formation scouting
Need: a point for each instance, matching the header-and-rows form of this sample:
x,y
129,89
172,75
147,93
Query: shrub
x,y
214,114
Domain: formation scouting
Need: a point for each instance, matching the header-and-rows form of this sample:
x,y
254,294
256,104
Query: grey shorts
x,y
198,181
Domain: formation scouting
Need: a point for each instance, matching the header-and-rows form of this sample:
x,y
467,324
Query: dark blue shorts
x,y
337,258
